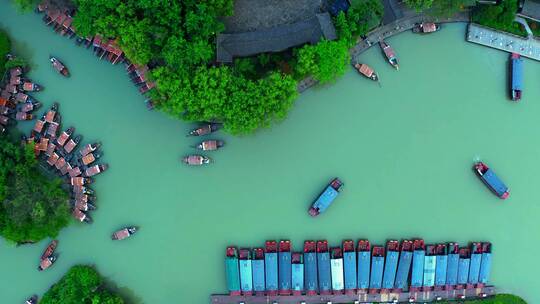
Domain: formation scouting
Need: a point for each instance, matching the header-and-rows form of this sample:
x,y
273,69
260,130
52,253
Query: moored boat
x,y
205,129
491,180
232,271
349,267
430,260
32,300
47,262
417,271
485,266
336,270
81,216
390,54
89,148
23,116
90,158
124,233
29,86
52,129
310,260
326,197
390,265
196,160
404,266
59,66
95,169
246,271
210,145
452,268
79,190
516,65
377,269
72,143
258,271
51,114
29,106
49,250
367,71
62,139
323,265
441,266
82,206
297,281
284,268
271,267
363,251
426,27
80,181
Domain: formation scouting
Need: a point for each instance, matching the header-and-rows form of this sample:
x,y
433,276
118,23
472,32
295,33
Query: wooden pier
x,y
526,47
404,297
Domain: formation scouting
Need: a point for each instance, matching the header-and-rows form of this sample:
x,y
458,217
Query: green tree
x,y
5,47
499,16
448,8
325,61
419,5
26,5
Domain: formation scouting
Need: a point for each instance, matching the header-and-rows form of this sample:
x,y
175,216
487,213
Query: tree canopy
x,y
5,47
32,206
80,285
499,16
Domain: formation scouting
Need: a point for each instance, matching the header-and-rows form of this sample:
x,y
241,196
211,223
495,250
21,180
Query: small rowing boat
x,y
49,250
59,66
367,71
124,233
196,160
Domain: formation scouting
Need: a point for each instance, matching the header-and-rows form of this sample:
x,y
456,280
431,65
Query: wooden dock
x,y
526,47
427,296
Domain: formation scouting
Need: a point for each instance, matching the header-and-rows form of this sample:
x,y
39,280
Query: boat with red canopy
x,y
367,71
47,262
50,249
95,169
491,180
210,145
205,129
59,66
196,160
426,27
124,233
390,54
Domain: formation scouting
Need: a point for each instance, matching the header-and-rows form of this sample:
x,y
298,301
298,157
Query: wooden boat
x,y
89,148
47,262
516,72
426,27
491,180
51,114
149,104
61,163
50,149
326,198
53,158
29,106
83,206
90,158
21,97
23,116
62,139
124,233
5,110
81,181
367,71
30,87
210,145
196,160
72,143
11,89
81,190
59,66
52,130
81,216
76,171
50,249
32,300
15,80
95,169
205,129
84,198
390,54
65,170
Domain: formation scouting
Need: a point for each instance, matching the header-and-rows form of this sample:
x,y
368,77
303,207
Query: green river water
x,y
404,151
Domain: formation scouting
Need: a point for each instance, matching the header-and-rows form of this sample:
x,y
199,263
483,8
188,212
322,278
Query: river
x,y
404,151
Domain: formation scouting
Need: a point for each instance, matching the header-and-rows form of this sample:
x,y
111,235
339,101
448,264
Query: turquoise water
x,y
404,151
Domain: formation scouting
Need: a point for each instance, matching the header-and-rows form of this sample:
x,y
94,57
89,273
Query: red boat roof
x,y
464,253
378,251
348,246
337,253
392,245
441,249
309,246
322,246
296,258
486,247
407,245
258,254
476,247
284,246
271,246
244,254
453,248
363,245
431,250
231,252
418,244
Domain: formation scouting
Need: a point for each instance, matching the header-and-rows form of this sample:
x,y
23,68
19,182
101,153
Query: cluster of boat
x,y
408,266
206,145
58,149
15,103
61,22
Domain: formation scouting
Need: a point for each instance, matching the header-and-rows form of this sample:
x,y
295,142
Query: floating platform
x,y
526,47
426,296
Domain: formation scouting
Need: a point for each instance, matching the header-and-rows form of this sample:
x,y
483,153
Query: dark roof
x,y
531,9
275,39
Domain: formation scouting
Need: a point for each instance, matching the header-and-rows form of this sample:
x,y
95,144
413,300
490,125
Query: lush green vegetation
x,y
498,299
5,47
440,8
32,206
26,5
80,285
177,38
499,17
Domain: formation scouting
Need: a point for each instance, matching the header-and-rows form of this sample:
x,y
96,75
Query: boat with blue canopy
x,y
516,63
404,265
485,265
336,269
232,271
257,265
364,264
246,271
326,198
297,281
349,267
453,262
323,264
476,259
284,268
491,180
377,268
417,272
271,267
390,266
441,266
310,268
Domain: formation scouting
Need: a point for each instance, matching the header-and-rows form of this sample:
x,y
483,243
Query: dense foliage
x,y
80,285
499,16
32,206
440,8
5,47
419,5
26,5
498,299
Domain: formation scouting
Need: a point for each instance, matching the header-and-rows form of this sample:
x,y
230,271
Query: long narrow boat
x,y
246,271
232,271
80,181
476,260
49,250
323,266
404,266
81,216
441,266
453,265
430,261
364,265
95,169
29,106
47,262
258,271
326,198
336,269
297,281
485,266
310,261
89,148
29,86
51,114
491,180
284,268
390,54
377,268
210,145
72,143
124,233
417,272
62,139
367,71
390,265
463,267
349,267
23,116
59,66
205,129
196,160
271,270
516,65
426,28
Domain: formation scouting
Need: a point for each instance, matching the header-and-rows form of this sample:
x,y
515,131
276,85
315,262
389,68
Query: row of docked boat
x,y
15,102
206,145
61,22
408,266
58,150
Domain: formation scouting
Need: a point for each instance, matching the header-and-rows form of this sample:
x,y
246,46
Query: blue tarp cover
x,y
310,267
517,74
485,268
298,277
325,199
271,270
323,264
452,270
377,265
404,267
284,273
390,269
336,266
258,275
440,270
463,270
349,269
494,182
233,274
364,265
474,270
417,273
430,263
246,275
